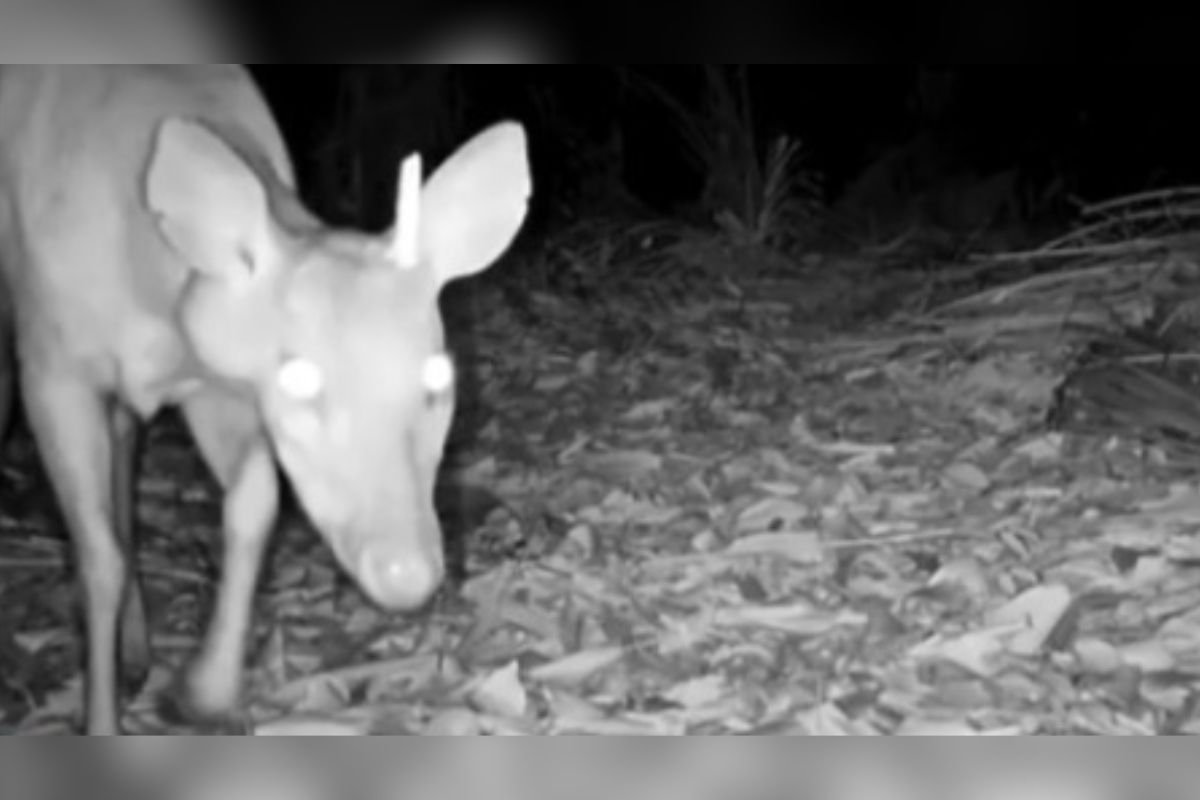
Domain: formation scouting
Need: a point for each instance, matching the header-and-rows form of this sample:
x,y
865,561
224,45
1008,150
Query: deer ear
x,y
209,205
474,204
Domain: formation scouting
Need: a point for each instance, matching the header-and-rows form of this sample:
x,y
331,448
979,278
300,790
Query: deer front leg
x,y
227,431
71,426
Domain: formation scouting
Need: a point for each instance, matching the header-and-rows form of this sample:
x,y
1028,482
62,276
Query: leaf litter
x,y
959,520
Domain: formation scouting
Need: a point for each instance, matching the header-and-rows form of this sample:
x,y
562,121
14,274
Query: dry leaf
x,y
502,693
966,575
799,619
698,692
622,465
1149,655
772,514
979,652
1036,613
576,668
1096,656
649,410
799,548
454,722
965,475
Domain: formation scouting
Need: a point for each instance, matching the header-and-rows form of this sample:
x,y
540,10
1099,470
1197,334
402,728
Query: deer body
x,y
153,252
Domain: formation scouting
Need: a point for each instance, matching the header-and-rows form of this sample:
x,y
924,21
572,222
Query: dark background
x,y
1109,129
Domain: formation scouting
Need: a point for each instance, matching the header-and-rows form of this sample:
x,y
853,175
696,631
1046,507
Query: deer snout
x,y
399,577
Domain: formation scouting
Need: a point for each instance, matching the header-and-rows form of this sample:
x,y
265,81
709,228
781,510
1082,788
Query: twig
x,y
1054,249
1101,226
896,539
1040,283
1158,195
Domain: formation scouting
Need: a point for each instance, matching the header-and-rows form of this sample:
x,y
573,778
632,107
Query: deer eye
x,y
437,374
300,379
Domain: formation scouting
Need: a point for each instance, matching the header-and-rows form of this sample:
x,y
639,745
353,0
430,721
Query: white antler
x,y
408,214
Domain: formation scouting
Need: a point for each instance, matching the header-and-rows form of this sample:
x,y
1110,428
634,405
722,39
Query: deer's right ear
x,y
209,205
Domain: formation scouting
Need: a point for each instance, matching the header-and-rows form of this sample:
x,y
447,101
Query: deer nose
x,y
397,578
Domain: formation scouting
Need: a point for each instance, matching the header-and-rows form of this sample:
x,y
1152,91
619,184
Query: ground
x,y
730,517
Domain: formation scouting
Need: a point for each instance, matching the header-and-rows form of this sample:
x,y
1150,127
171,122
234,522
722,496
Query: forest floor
x,y
737,519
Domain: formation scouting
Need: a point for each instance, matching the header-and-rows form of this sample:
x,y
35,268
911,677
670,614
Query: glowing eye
x,y
437,376
301,379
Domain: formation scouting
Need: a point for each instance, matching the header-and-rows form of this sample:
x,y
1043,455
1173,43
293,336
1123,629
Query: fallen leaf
x,y
454,722
621,465
827,719
966,575
772,514
799,548
979,652
649,410
800,619
588,363
1042,449
576,668
501,693
1096,656
1180,636
1036,613
316,693
698,692
1149,655
34,642
964,475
